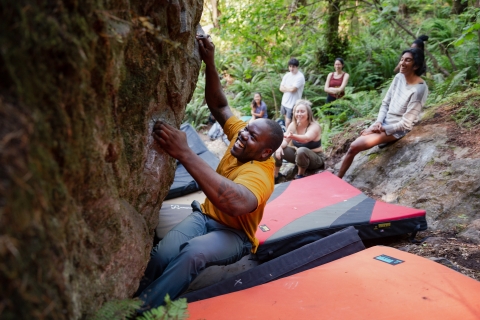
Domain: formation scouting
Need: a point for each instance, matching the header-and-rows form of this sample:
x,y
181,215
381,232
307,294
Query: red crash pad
x,y
305,210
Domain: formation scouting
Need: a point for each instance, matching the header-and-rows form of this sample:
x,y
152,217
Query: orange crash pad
x,y
376,283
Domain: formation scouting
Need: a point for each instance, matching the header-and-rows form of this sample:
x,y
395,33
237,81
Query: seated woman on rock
x,y
305,135
400,108
259,108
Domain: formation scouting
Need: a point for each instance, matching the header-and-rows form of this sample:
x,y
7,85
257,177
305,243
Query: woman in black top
x,y
302,142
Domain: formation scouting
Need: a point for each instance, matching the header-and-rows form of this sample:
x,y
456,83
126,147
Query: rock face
x,y
427,170
81,180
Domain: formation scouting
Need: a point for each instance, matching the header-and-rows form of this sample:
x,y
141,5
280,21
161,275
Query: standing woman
x,y
336,81
305,134
259,108
400,108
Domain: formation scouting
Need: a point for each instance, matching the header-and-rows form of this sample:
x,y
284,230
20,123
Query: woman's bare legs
x,y
364,142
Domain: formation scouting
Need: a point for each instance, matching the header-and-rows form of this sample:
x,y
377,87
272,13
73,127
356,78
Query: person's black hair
x,y
418,60
341,61
253,100
293,62
420,41
275,135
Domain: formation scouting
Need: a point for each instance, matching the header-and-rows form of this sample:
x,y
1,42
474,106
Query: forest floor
x,y
442,246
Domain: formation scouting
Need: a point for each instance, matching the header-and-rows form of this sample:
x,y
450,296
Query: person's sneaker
x,y
299,176
278,178
383,145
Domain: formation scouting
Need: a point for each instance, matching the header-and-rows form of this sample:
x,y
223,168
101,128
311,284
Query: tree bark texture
x,y
459,6
333,19
215,13
81,179
334,45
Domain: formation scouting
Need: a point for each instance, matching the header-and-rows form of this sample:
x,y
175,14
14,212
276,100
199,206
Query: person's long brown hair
x,y
307,105
254,104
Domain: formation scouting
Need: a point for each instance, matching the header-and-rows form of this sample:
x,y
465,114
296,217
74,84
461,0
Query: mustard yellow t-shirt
x,y
255,176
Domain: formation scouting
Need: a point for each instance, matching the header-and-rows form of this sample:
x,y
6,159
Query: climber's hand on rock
x,y
172,140
206,48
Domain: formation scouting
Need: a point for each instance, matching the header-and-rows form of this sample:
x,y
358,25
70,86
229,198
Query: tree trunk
x,y
215,13
334,45
477,5
458,6
81,179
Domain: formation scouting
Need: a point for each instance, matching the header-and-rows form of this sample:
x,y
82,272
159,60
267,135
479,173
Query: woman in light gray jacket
x,y
400,108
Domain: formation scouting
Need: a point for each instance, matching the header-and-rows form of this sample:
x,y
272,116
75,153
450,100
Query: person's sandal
x,y
299,176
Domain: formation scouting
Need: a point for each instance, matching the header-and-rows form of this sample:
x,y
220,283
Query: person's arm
x,y
377,126
260,114
284,88
374,128
382,113
229,197
414,106
342,86
216,100
288,89
285,142
282,84
327,88
312,134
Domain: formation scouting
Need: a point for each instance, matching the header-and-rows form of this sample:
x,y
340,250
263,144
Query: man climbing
x,y
221,230
292,86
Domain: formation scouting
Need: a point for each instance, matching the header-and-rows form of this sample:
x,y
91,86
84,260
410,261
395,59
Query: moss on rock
x,y
82,180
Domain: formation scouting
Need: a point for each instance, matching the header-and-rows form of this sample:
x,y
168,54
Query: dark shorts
x,y
330,98
286,111
398,134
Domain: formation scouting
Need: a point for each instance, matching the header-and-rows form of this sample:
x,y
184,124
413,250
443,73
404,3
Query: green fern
x,y
196,111
118,309
469,115
453,83
173,310
126,309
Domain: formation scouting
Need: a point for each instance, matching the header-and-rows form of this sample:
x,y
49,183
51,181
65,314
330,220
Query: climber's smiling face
x,y
251,143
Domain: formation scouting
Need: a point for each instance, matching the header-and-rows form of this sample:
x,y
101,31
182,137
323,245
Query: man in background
x,y
292,86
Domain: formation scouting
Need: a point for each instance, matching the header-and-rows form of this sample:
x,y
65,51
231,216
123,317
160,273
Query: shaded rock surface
x,y
81,180
434,168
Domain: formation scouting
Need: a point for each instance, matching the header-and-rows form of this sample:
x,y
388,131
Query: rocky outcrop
x,y
427,169
81,180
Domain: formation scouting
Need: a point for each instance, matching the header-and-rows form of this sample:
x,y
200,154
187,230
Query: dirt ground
x,y
441,246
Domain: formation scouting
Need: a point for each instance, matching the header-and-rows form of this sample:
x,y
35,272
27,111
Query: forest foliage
x,y
254,41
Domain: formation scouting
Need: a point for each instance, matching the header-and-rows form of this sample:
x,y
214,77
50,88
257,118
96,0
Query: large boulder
x,y
435,167
81,180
